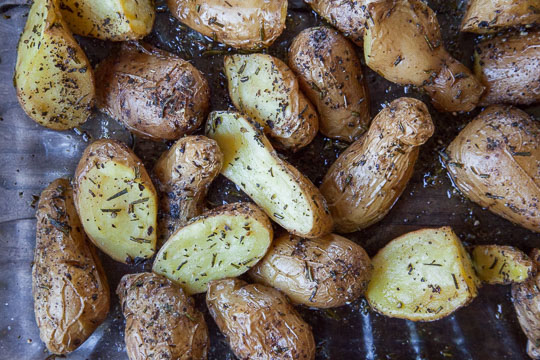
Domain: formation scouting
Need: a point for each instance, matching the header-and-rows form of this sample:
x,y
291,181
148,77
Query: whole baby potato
x,y
487,16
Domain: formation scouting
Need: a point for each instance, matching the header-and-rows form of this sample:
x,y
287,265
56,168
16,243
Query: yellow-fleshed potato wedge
x,y
71,294
367,179
161,320
259,322
53,77
285,195
116,201
423,275
224,242
497,264
243,24
183,175
485,16
116,20
326,272
155,94
263,87
495,162
331,76
509,68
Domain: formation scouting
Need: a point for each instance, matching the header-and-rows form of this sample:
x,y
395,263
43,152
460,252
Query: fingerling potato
x,y
485,16
497,264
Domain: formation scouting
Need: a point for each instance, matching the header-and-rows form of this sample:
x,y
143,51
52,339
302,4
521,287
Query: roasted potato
x,y
484,16
116,201
243,24
285,195
224,242
71,294
326,272
331,76
183,175
367,179
495,162
161,320
509,67
155,94
116,20
53,77
264,88
496,264
423,275
258,321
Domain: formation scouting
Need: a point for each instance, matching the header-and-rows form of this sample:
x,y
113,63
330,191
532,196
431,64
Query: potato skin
x,y
161,320
331,76
485,16
155,94
325,272
495,162
71,293
258,321
367,179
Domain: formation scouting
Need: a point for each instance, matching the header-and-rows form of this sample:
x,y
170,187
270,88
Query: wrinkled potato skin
x,y
155,94
367,179
482,165
509,68
485,16
330,74
325,272
161,320
71,293
258,321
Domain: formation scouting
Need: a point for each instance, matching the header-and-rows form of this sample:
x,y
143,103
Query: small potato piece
x,y
71,294
264,88
258,321
496,264
509,68
155,94
183,175
161,320
326,272
331,76
243,24
116,20
495,162
53,77
423,275
224,242
284,194
485,16
116,201
367,179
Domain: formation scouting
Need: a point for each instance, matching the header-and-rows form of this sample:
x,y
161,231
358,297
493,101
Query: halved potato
x,y
496,264
116,201
287,196
224,242
422,276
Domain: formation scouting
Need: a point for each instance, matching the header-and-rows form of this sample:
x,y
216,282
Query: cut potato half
x,y
497,264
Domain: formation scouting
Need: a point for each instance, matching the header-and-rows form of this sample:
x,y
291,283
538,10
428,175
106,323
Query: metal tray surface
x,y
32,156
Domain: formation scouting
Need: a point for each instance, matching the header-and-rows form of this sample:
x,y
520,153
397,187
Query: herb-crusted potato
x,y
485,16
258,321
324,272
116,201
224,242
367,179
495,162
424,275
53,77
263,87
331,76
287,196
71,294
496,264
153,93
161,320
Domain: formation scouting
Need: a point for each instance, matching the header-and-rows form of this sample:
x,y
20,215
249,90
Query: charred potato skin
x,y
161,320
485,16
153,93
495,162
325,272
258,321
71,293
331,76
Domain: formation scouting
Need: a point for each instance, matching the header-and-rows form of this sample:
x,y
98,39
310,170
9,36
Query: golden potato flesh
x,y
485,16
496,264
